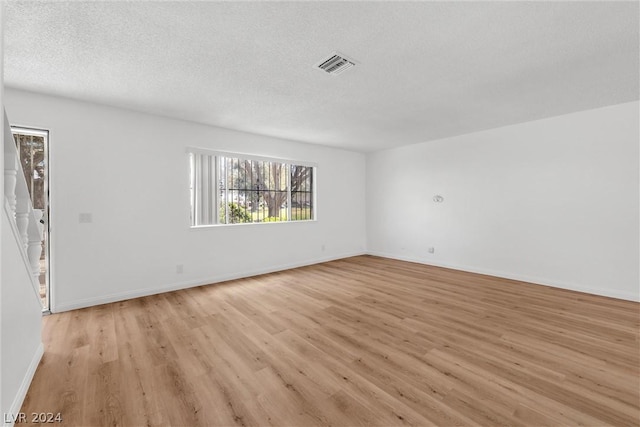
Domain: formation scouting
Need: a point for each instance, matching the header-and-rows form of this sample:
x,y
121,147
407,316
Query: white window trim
x,y
246,156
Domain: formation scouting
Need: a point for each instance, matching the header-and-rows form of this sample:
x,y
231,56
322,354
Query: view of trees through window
x,y
32,157
251,190
32,154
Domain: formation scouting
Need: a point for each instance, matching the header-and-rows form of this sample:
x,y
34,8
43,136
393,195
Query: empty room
x,y
319,213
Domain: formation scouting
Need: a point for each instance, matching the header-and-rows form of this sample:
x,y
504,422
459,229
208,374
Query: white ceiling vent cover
x,y
335,64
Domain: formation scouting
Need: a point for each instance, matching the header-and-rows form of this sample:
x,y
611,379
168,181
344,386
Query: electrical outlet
x,y
179,268
431,249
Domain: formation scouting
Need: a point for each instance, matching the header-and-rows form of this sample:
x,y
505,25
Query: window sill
x,y
242,224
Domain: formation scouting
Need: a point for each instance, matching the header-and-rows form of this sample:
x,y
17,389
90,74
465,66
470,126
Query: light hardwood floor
x,y
360,341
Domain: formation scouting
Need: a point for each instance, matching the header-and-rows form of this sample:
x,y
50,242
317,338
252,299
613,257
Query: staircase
x,y
21,347
24,220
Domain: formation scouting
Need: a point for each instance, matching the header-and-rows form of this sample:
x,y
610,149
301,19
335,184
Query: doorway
x,y
33,152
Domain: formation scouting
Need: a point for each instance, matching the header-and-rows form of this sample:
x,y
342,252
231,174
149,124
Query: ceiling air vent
x,y
335,64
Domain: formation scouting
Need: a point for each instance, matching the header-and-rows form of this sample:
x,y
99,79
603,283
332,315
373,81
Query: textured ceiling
x,y
425,70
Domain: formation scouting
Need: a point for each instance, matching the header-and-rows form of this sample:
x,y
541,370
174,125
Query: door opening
x,y
33,152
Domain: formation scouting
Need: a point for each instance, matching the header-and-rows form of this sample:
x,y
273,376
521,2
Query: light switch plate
x,y
85,218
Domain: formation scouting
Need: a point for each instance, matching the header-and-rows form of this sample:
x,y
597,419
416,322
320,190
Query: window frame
x,y
217,154
45,133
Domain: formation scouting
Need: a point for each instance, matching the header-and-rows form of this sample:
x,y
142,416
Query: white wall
x,y
553,201
2,405
20,311
130,171
21,327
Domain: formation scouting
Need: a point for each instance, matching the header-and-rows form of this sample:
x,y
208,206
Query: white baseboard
x,y
629,296
121,296
24,386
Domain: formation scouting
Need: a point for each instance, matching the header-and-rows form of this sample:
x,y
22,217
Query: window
x,y
234,189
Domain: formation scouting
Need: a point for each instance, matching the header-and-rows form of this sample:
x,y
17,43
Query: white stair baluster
x,y
27,220
34,249
23,207
38,214
34,252
10,179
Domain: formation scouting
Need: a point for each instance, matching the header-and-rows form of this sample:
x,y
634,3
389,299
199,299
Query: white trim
x,y
216,191
244,224
26,382
46,135
25,130
121,296
248,156
629,296
314,186
288,167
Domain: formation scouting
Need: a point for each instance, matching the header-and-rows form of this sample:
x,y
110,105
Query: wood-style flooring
x,y
359,341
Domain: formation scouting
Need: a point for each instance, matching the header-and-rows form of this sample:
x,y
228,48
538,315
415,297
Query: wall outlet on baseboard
x,y
431,249
179,268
